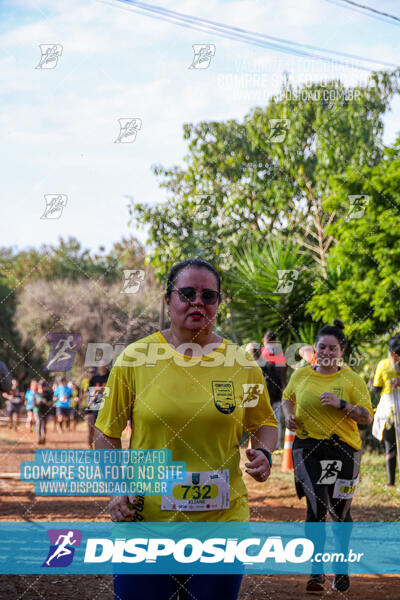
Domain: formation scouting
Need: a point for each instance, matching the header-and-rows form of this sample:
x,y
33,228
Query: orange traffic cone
x,y
287,459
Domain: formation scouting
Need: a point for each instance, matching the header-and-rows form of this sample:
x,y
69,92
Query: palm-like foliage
x,y
253,287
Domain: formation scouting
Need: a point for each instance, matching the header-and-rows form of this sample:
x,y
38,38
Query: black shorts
x,y
63,411
326,472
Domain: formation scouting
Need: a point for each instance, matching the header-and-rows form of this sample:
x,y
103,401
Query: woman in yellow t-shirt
x,y
189,390
323,404
387,379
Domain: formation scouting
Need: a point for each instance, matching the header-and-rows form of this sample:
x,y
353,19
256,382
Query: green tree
x,y
268,286
366,255
67,262
239,183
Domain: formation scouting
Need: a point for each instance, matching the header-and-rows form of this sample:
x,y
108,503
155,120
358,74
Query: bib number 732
x,y
195,492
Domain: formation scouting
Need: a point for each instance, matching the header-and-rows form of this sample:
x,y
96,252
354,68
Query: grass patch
x,y
371,498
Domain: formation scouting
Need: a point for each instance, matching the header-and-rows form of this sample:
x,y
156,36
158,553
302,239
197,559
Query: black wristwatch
x,y
267,454
342,404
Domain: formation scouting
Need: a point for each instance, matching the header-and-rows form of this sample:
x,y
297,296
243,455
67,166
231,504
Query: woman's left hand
x,y
329,399
258,467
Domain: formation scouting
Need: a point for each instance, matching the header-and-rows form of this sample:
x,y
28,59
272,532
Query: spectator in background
x,y
95,398
51,412
273,381
83,393
63,395
308,354
14,403
272,352
43,402
74,416
386,380
30,404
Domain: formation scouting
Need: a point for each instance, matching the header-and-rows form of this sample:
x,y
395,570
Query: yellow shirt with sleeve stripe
x,y
195,411
383,375
318,421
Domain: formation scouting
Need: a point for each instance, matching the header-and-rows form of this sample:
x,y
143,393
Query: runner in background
x,y
63,395
273,381
84,393
52,412
272,352
94,400
43,402
74,416
324,404
387,378
30,404
14,403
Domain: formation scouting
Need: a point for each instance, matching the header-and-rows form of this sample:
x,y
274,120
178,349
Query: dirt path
x,y
18,503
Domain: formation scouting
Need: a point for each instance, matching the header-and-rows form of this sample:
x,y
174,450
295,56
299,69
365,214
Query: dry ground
x,y
275,501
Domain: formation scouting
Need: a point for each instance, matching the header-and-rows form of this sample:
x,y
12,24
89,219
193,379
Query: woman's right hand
x,y
122,508
291,423
395,382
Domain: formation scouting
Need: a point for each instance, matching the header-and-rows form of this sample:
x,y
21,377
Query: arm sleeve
x,y
378,379
261,413
360,395
118,397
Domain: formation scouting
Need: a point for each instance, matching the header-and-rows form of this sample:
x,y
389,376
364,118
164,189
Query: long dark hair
x,y
337,330
195,262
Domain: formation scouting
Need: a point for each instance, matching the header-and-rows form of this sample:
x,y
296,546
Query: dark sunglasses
x,y
189,294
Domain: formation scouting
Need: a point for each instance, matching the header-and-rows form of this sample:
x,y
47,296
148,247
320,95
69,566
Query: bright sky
x,y
58,126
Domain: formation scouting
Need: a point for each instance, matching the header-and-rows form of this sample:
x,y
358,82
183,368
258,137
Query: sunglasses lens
x,y
209,296
187,294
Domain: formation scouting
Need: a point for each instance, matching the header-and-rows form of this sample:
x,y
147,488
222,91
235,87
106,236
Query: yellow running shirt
x,y
195,411
318,421
383,375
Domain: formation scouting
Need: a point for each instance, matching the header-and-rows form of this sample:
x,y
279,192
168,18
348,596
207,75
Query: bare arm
x,y
289,410
121,507
264,437
359,414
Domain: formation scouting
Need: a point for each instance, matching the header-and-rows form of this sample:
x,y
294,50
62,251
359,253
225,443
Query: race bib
x,y
207,490
345,488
